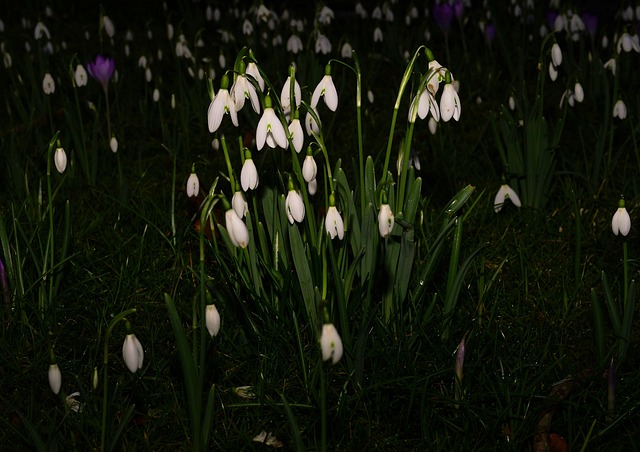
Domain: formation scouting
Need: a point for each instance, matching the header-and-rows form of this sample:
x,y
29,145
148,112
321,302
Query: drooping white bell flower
x,y
556,54
294,44
193,185
239,204
333,221
285,94
323,45
621,221
254,72
310,122
80,76
296,132
113,144
294,205
212,319
326,89
132,353
249,174
450,103
243,89
270,129
330,343
48,85
238,232
505,192
620,109
221,104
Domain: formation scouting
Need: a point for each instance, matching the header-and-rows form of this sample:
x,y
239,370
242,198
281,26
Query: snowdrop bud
x,y
370,96
239,204
193,185
294,205
556,54
215,144
173,101
212,319
113,144
156,95
553,72
385,220
60,159
433,125
578,92
330,343
309,167
512,103
312,187
55,378
237,230
94,380
132,353
108,26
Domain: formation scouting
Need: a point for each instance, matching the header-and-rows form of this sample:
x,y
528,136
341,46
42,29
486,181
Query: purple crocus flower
x,y
490,33
590,22
443,15
458,9
551,19
102,70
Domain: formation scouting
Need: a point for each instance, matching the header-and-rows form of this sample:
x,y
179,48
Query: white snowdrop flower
x,y
132,353
239,204
142,61
627,43
360,11
327,90
325,15
578,92
238,232
212,319
270,130
222,60
310,123
347,50
113,144
249,174
556,54
55,378
252,70
60,160
107,24
147,74
323,45
40,31
553,72
370,96
376,14
285,95
433,125
377,35
512,103
621,221
294,44
333,220
620,109
297,134
193,185
48,85
309,168
243,89
221,104
386,220
80,76
312,187
294,206
450,106
611,65
330,343
505,192
247,28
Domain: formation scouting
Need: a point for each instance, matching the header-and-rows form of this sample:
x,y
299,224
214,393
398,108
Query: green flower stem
x,y
403,85
625,267
609,115
405,167
232,181
52,145
85,161
105,363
